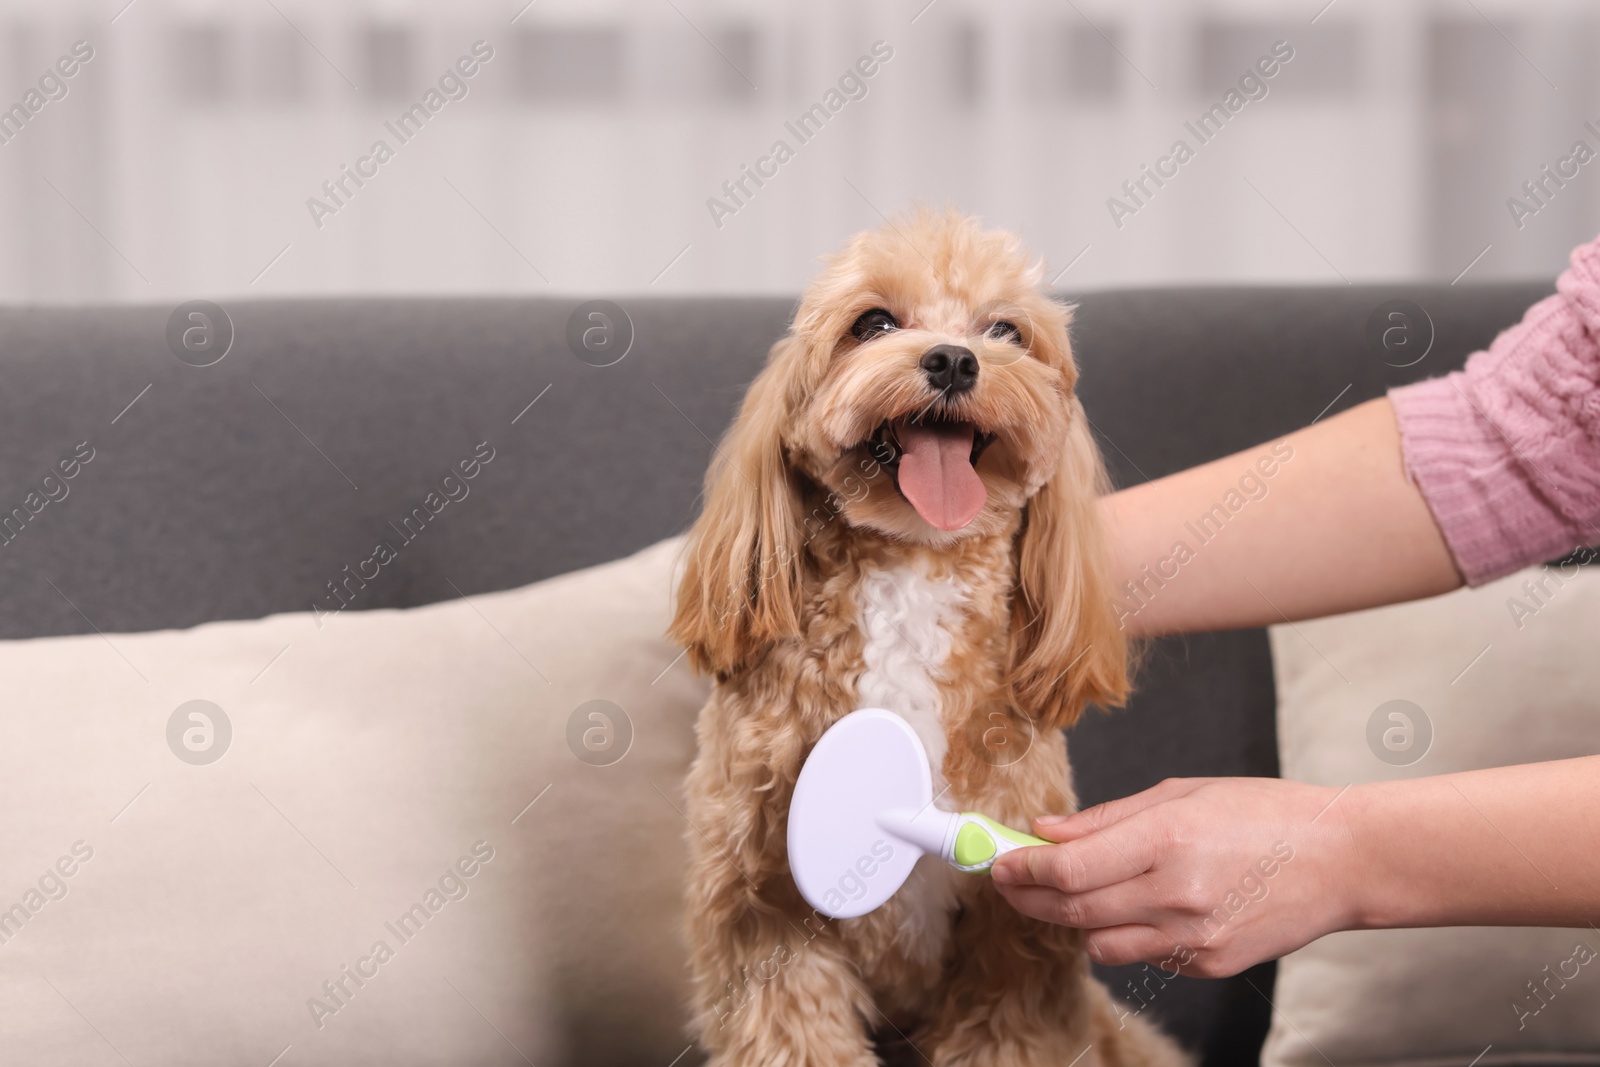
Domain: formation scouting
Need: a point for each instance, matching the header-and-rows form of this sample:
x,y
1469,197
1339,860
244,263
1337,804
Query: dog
x,y
903,515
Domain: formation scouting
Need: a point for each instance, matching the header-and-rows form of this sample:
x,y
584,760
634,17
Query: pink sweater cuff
x,y
1507,451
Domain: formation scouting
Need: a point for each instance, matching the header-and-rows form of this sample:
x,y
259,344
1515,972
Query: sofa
x,y
230,491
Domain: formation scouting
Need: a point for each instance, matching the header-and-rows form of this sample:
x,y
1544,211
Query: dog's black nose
x,y
951,369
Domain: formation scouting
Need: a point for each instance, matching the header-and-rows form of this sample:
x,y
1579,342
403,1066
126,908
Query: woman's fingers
x,y
1114,855
1120,928
1120,945
1037,902
1116,946
1112,906
1092,820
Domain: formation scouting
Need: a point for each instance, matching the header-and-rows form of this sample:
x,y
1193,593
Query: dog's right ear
x,y
740,590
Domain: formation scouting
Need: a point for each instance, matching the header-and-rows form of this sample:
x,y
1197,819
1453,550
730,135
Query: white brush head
x,y
862,803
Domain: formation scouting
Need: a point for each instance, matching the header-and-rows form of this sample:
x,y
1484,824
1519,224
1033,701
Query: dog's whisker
x,y
943,393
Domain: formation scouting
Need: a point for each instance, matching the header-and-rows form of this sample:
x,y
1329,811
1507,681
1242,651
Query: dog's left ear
x,y
1067,649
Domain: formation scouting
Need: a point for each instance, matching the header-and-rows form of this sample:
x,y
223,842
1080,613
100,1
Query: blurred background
x,y
187,155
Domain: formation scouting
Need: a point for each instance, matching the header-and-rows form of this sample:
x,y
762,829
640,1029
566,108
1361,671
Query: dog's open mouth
x,y
933,461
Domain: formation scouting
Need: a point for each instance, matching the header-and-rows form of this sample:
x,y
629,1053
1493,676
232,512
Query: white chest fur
x,y
909,620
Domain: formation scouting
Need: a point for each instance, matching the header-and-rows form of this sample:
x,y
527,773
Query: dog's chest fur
x,y
909,622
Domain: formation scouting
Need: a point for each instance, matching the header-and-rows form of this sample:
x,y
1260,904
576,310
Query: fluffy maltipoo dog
x,y
902,516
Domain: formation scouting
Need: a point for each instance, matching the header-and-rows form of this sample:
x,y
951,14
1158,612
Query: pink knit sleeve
x,y
1507,451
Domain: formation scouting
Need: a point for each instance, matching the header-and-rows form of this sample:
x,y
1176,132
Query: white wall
x,y
180,162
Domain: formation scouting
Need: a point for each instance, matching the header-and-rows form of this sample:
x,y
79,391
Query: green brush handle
x,y
979,841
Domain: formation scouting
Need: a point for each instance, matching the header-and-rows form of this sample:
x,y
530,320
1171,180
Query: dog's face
x,y
927,388
931,381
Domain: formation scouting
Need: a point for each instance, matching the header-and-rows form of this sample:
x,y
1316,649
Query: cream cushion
x,y
375,762
1500,685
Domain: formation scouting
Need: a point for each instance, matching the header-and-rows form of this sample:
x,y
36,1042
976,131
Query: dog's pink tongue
x,y
936,474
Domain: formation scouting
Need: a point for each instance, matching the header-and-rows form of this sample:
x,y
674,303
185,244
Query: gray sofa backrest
x,y
247,487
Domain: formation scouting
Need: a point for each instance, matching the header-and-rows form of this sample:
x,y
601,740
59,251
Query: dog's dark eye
x,y
1005,331
872,323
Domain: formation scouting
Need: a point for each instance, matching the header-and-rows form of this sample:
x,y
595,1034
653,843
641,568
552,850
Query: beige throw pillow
x,y
398,858
1505,674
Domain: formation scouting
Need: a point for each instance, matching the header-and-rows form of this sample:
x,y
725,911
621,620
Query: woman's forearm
x,y
1499,847
1321,522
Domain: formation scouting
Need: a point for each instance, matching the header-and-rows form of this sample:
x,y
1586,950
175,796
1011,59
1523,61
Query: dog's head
x,y
925,392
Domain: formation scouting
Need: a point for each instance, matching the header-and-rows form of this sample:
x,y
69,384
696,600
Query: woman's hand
x,y
1204,876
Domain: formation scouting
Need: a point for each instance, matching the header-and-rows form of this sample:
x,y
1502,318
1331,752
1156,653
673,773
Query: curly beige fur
x,y
798,516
